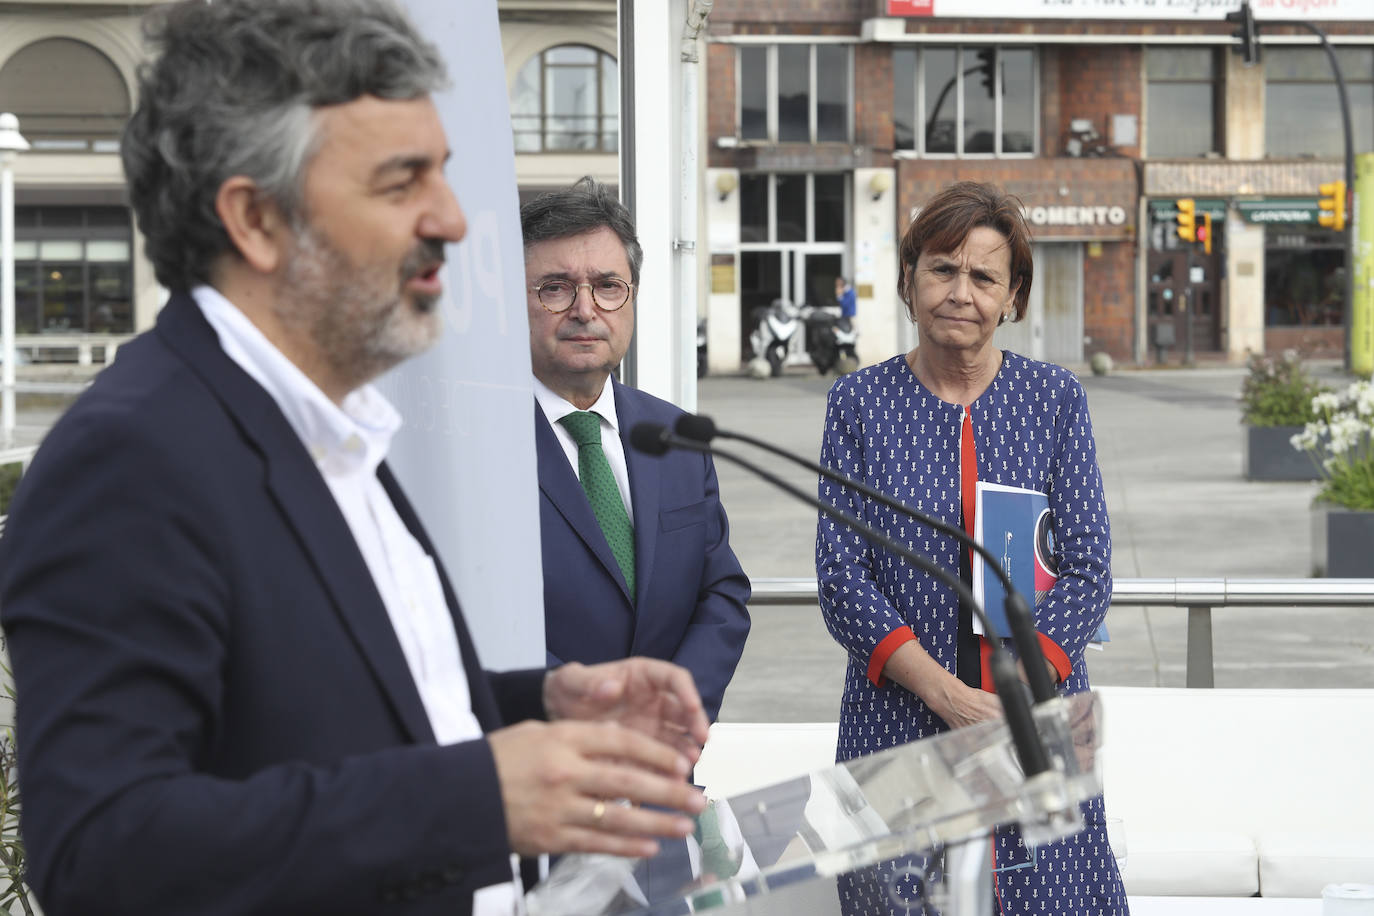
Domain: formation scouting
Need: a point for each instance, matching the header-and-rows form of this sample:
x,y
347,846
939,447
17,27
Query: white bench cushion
x,y
1301,863
1196,863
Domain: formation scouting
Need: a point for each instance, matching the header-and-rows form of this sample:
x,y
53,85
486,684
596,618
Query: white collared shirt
x,y
556,407
348,443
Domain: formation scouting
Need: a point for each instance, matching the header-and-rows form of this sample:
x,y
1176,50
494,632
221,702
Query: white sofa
x,y
1238,792
1224,793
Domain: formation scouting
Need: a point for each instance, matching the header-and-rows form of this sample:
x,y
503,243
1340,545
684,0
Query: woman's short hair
x,y
946,221
233,91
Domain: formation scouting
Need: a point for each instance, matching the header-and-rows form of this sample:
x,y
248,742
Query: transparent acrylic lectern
x,y
780,849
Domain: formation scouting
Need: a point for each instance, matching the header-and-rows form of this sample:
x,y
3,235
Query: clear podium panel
x,y
778,849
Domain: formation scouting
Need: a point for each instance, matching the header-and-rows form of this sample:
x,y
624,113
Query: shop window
x,y
73,270
965,101
1302,109
1304,278
795,93
567,99
1180,102
67,95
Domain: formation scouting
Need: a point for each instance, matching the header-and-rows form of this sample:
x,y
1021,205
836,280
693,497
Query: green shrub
x,y
1278,392
9,479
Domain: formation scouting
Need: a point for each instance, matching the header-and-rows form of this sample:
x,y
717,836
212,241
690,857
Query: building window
x,y
795,93
67,95
567,99
1302,109
72,270
965,101
1181,102
1304,276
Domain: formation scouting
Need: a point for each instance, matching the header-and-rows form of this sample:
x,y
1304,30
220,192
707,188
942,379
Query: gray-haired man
x,y
244,682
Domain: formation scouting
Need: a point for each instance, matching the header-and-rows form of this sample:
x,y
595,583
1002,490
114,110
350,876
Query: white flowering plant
x,y
1341,442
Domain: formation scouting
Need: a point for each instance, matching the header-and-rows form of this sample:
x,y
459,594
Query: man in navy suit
x,y
244,683
642,566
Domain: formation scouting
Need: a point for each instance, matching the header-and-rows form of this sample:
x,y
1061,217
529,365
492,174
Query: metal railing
x,y
1199,596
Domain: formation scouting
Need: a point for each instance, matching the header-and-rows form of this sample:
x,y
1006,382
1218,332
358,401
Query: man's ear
x,y
254,223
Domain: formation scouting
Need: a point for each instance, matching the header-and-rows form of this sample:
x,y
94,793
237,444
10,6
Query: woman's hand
x,y
948,697
959,704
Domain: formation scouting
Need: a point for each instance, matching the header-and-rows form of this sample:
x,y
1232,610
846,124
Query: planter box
x,y
1269,455
1342,542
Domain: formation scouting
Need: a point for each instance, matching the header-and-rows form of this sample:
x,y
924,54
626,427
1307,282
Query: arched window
x,y
567,99
67,96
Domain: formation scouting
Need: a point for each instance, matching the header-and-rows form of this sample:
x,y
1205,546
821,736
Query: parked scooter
x,y
771,337
830,339
701,348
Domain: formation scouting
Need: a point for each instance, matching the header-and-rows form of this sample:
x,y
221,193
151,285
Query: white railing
x,y
84,344
1199,596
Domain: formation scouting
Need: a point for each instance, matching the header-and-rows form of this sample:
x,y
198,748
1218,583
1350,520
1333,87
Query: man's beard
x,y
356,316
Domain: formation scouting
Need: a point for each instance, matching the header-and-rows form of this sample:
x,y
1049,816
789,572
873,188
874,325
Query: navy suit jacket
x,y
691,593
214,713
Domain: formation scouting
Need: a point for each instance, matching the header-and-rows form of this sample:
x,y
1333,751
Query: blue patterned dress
x,y
1031,429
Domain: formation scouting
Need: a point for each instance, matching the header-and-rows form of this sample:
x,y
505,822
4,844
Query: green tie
x,y
602,491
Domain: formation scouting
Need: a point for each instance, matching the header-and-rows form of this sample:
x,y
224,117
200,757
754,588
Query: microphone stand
x,y
1019,616
654,438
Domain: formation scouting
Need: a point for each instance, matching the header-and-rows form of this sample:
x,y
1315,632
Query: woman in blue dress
x,y
923,427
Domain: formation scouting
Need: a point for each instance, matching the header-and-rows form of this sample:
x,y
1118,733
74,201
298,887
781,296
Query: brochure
x,y
1015,524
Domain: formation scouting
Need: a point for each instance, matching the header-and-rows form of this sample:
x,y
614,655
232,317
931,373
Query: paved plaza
x,y
1169,444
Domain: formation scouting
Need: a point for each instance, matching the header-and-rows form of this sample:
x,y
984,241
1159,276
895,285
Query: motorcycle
x,y
830,339
701,348
775,327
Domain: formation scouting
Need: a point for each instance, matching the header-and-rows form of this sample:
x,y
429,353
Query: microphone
x,y
657,439
1019,616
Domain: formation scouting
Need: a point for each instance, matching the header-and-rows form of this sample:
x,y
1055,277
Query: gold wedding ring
x,y
598,811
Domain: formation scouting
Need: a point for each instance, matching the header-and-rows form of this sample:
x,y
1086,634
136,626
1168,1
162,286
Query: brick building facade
x,y
829,123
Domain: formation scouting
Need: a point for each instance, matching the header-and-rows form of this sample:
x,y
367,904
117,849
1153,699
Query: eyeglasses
x,y
608,293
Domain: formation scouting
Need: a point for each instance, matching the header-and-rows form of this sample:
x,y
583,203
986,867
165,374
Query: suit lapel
x,y
307,506
560,485
645,479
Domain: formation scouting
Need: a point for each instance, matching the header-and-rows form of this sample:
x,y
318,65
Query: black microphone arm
x,y
1019,616
657,439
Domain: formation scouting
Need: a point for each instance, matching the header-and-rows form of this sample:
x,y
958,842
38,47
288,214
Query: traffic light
x,y
1331,205
987,67
1247,33
1187,219
1204,233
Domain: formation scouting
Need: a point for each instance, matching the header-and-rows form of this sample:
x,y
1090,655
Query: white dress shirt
x,y
347,443
555,407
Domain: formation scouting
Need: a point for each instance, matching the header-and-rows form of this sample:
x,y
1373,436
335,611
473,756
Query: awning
x,y
1290,210
1166,209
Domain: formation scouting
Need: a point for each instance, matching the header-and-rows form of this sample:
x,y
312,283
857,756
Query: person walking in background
x,y
245,685
846,298
924,427
636,548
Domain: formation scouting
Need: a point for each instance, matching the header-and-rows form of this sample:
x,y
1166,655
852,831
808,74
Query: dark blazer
x,y
690,606
215,715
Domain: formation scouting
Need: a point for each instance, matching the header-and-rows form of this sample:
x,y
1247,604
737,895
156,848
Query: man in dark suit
x,y
244,683
637,557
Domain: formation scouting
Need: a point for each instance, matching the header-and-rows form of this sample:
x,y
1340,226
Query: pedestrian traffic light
x,y
1187,219
1331,205
1247,33
1204,233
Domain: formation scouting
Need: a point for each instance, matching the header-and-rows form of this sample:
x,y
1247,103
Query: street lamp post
x,y
11,143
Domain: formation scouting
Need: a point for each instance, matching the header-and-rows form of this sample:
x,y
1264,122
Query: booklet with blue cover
x,y
1016,525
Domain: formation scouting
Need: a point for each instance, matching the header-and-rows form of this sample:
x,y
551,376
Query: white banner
x,y
1311,10
465,455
